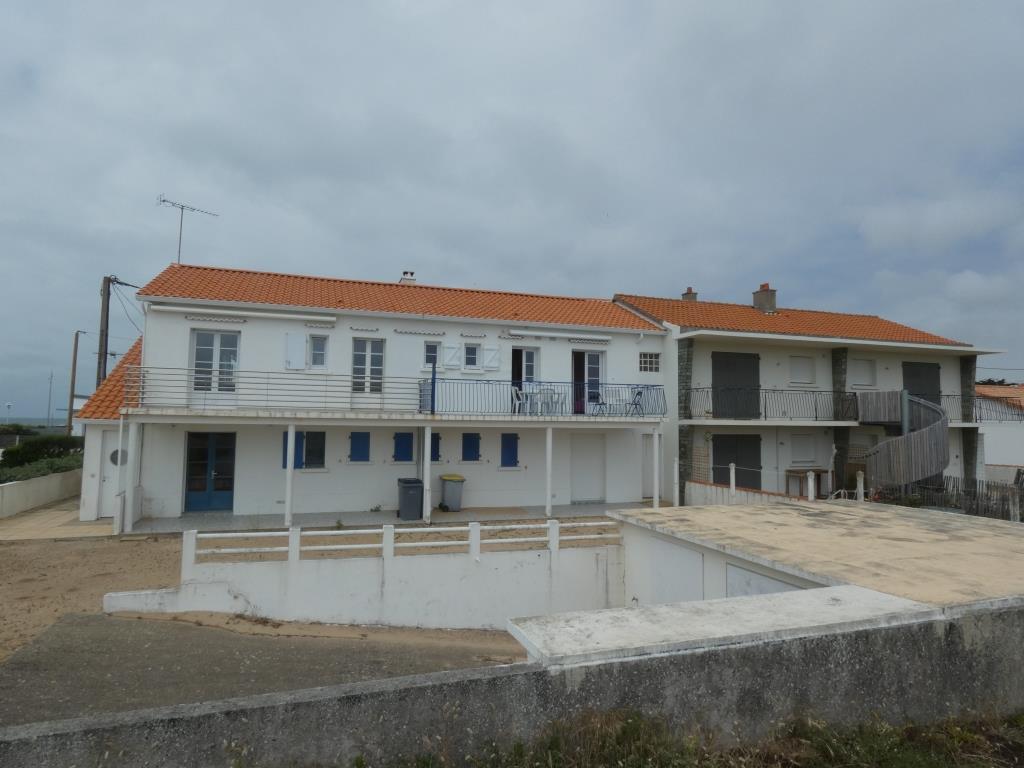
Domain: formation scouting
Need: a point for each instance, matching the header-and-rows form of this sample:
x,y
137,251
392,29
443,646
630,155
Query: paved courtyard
x,y
54,521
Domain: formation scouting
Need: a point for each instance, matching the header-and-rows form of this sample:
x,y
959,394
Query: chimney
x,y
764,299
690,295
407,278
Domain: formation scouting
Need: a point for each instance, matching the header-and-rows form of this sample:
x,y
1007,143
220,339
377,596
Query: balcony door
x,y
210,471
735,385
367,373
214,367
586,381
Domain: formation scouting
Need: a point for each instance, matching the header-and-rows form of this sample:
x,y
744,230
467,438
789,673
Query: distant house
x,y
255,393
781,392
1000,411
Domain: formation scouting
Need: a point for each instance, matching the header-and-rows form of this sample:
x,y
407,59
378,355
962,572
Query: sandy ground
x,y
40,581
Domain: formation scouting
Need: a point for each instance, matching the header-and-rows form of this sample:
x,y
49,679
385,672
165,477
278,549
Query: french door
x,y
209,471
214,361
586,380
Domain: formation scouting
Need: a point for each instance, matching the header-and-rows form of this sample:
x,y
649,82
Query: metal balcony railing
x,y
206,389
767,404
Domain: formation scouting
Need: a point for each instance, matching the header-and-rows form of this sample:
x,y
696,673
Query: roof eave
x,y
961,349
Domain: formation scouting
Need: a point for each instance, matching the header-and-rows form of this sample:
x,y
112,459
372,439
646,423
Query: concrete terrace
x,y
938,558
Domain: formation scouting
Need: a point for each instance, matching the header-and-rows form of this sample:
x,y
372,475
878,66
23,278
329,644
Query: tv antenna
x,y
161,200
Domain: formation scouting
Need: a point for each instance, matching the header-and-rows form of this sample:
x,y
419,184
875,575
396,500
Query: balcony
x,y
756,404
149,388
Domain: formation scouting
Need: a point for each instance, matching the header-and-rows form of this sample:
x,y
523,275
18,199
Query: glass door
x,y
209,471
214,363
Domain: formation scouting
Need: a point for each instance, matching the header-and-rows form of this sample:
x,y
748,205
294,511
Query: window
x,y
403,446
509,449
435,446
367,365
471,356
650,362
215,360
431,354
529,365
310,450
470,446
801,369
359,446
317,351
861,372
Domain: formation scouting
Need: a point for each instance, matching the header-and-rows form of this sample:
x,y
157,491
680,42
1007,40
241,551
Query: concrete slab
x,y
53,521
927,556
591,636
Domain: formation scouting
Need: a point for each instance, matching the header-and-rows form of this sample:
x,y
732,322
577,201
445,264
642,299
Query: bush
x,y
16,429
40,468
36,448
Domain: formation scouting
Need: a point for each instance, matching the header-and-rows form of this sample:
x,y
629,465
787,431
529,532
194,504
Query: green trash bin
x,y
451,491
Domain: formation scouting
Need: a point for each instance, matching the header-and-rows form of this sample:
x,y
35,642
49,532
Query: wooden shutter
x,y
300,438
403,446
452,358
509,449
470,446
492,358
359,446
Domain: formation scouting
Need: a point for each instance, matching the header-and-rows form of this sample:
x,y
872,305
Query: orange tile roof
x,y
713,315
218,284
107,401
1011,394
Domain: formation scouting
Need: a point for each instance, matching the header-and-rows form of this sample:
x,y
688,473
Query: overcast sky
x,y
861,156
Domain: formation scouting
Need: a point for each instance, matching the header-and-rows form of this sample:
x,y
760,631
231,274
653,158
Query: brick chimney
x,y
690,295
764,299
408,277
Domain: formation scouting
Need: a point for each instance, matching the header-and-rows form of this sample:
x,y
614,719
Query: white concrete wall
x,y
438,591
262,345
661,569
345,486
1004,443
23,495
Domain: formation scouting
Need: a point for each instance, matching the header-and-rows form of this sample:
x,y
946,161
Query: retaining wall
x,y
961,662
442,591
23,495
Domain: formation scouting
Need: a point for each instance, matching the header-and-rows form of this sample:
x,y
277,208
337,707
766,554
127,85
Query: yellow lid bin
x,y
451,492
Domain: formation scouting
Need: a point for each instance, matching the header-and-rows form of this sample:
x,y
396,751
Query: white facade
x,y
372,374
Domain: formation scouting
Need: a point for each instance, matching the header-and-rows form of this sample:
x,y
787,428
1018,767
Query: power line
x,y
993,368
120,300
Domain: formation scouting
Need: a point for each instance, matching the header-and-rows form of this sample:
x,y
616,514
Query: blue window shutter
x,y
403,446
359,446
470,446
509,449
435,446
300,438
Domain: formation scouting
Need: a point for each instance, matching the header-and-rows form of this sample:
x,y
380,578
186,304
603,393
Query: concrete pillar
x,y
732,479
675,481
811,490
188,555
841,442
548,440
656,450
474,541
289,474
969,453
860,485
685,459
968,375
132,475
119,508
428,505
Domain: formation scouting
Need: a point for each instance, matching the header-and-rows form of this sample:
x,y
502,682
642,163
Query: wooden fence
x,y
1002,501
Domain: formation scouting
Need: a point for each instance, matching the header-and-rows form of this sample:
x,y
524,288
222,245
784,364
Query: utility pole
x,y
71,389
101,355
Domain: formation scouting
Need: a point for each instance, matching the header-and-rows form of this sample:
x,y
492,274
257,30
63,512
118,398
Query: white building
x,y
536,400
782,392
1000,411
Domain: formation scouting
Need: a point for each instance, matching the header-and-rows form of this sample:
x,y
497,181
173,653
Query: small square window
x,y
861,372
317,351
650,362
431,353
471,356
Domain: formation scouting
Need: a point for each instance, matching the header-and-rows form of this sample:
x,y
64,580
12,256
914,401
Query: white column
x,y
732,478
289,473
132,476
656,448
675,481
119,508
548,439
860,485
427,505
810,487
188,555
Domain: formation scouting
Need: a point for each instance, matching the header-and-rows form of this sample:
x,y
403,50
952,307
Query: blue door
x,y
210,471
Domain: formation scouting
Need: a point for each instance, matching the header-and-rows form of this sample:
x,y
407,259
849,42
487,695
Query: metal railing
x,y
203,389
388,540
768,404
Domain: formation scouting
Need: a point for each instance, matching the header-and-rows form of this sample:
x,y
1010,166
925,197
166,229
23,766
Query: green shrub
x,y
36,448
16,429
40,468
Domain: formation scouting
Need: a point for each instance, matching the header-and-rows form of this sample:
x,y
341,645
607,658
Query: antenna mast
x,y
161,200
